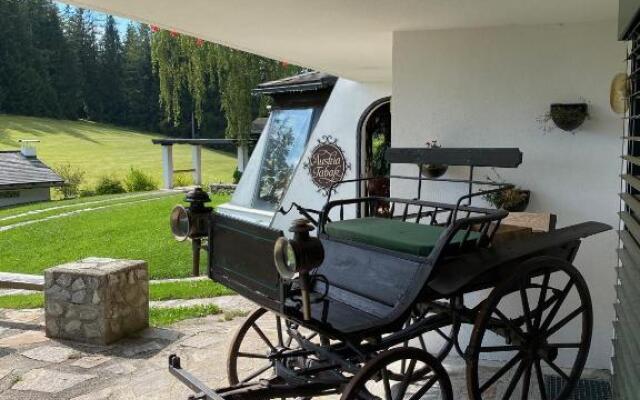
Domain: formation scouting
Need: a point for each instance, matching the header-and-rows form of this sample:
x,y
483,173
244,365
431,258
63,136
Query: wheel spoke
x,y
424,389
514,381
524,395
556,368
525,307
279,328
510,324
263,336
422,343
540,378
494,349
541,300
252,355
564,321
257,373
443,335
556,306
564,345
387,385
407,378
500,372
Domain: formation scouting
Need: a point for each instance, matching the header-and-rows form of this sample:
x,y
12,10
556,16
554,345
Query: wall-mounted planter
x,y
568,116
433,170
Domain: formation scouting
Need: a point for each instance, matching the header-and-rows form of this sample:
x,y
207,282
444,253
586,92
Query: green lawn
x,y
101,149
157,291
38,211
134,230
168,316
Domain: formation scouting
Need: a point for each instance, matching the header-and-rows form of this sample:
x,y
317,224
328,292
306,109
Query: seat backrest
x,y
461,156
241,258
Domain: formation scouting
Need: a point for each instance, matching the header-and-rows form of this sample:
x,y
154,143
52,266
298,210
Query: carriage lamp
x,y
192,222
299,255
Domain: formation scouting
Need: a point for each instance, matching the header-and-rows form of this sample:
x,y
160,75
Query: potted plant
x,y
433,170
511,199
568,116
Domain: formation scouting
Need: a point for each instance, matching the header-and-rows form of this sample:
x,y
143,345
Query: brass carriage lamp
x,y
192,222
299,255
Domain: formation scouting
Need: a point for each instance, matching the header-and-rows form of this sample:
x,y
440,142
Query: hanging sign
x,y
327,164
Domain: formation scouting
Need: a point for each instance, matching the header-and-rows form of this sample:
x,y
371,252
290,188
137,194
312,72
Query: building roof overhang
x,y
351,39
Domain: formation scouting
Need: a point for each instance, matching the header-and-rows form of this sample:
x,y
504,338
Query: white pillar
x,y
243,156
196,159
167,166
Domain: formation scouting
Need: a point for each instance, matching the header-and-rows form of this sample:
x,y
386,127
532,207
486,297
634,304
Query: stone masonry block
x,y
96,300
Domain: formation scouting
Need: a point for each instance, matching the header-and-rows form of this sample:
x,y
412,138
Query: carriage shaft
x,y
248,391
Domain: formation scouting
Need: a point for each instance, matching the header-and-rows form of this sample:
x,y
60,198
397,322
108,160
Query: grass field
x,y
168,316
126,229
101,149
157,291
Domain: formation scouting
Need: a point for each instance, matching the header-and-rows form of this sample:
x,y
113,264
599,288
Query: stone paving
x,y
33,367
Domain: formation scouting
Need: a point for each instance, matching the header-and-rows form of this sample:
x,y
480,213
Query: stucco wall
x,y
26,196
488,87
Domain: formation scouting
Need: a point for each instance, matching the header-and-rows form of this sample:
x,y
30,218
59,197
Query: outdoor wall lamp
x,y
299,255
192,223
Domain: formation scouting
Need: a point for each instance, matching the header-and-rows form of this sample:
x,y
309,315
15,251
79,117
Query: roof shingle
x,y
18,171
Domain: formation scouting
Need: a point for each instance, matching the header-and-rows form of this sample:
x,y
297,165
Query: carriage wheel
x,y
441,340
544,320
376,378
262,334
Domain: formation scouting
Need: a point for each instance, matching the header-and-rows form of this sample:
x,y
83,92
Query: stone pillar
x,y
96,300
167,166
196,159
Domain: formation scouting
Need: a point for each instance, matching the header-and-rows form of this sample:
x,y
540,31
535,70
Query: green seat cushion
x,y
406,237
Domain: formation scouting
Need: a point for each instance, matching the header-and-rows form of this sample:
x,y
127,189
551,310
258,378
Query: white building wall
x,y
488,87
25,196
339,119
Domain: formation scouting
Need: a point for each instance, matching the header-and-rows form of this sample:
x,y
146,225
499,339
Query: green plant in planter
x,y
512,199
433,170
566,116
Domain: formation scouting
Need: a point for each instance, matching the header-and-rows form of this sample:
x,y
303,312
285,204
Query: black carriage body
x,y
241,258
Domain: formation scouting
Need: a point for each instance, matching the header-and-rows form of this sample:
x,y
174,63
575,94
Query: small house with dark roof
x,y
24,178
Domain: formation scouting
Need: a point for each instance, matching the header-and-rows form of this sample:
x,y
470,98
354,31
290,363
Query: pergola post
x,y
196,159
167,166
243,156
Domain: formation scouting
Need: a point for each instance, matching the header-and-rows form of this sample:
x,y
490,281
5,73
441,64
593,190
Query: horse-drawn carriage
x,y
370,306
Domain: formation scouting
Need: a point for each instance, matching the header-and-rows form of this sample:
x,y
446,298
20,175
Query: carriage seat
x,y
392,234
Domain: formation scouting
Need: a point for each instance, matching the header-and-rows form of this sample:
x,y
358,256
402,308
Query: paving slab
x,y
103,394
135,350
161,334
201,340
23,339
49,381
121,368
52,354
90,361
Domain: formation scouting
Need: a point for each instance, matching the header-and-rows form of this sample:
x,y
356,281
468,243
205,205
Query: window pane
x,y
287,137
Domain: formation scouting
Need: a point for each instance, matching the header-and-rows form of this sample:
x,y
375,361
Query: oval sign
x,y
327,164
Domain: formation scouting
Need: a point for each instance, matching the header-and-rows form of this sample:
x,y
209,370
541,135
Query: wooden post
x,y
196,159
167,166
